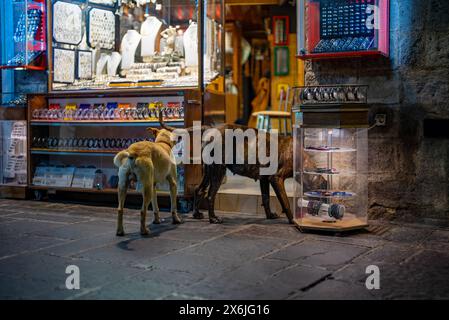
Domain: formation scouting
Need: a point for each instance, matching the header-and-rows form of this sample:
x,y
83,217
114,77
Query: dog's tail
x,y
120,157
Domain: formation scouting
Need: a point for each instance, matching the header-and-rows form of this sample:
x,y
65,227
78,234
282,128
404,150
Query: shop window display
x,y
138,44
25,46
73,140
135,60
343,28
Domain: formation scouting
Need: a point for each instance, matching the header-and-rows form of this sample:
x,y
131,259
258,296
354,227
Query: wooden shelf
x,y
58,123
75,152
341,55
92,190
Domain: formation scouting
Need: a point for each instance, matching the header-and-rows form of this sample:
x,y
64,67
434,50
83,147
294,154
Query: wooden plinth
x,y
338,226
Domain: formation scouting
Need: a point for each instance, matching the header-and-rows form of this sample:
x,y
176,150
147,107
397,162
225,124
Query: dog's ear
x,y
153,131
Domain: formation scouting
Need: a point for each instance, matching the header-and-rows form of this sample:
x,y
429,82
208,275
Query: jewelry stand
x,y
128,48
149,31
191,44
102,63
113,64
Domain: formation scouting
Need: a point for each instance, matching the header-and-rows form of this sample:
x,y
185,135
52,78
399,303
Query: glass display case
x,y
13,143
343,28
24,35
331,159
74,138
101,45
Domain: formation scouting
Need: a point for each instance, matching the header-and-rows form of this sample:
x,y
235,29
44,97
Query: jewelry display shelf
x,y
331,158
339,150
335,29
98,160
92,190
106,123
64,152
339,173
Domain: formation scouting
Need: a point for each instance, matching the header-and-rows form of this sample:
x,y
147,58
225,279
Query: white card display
x,y
67,23
84,65
53,176
40,174
60,177
84,178
111,3
63,66
101,29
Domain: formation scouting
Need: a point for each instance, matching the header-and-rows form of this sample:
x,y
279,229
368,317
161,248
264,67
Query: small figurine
x,y
169,35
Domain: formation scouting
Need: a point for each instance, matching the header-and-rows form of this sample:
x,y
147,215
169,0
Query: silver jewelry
x,y
101,29
67,23
63,66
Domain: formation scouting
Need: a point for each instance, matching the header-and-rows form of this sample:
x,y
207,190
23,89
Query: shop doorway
x,y
260,64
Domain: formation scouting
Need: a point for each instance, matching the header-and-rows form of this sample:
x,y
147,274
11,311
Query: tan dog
x,y
151,163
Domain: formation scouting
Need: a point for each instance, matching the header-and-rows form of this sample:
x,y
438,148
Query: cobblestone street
x,y
247,257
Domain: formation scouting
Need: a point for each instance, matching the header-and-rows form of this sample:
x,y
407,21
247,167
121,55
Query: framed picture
x,y
63,66
281,27
84,65
281,61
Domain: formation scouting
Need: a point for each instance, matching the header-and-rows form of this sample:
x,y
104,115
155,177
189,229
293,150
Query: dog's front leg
x,y
173,197
265,191
200,193
278,185
215,180
122,189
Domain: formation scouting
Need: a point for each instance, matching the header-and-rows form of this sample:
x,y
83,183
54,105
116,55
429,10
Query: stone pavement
x,y
247,257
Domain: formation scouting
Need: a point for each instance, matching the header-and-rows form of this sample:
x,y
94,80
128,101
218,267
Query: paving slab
x,y
324,254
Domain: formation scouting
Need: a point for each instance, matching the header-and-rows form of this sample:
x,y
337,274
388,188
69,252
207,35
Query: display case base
x,y
339,226
13,192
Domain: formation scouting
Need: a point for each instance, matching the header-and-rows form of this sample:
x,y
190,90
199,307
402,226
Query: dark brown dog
x,y
213,175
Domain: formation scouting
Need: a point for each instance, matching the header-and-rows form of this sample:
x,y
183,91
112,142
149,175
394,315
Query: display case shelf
x,y
339,150
62,152
336,173
134,123
91,190
335,195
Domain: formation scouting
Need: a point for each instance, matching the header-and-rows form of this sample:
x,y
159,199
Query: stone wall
x,y
409,172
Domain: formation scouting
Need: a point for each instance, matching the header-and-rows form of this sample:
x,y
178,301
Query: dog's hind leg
x,y
200,193
278,185
147,194
154,204
215,180
145,175
173,197
265,191
122,189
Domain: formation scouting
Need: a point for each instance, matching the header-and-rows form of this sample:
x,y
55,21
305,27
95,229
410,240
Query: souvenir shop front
x,y
113,65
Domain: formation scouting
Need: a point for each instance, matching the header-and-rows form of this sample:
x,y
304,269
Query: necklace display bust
x,y
128,48
191,44
113,63
102,63
149,31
